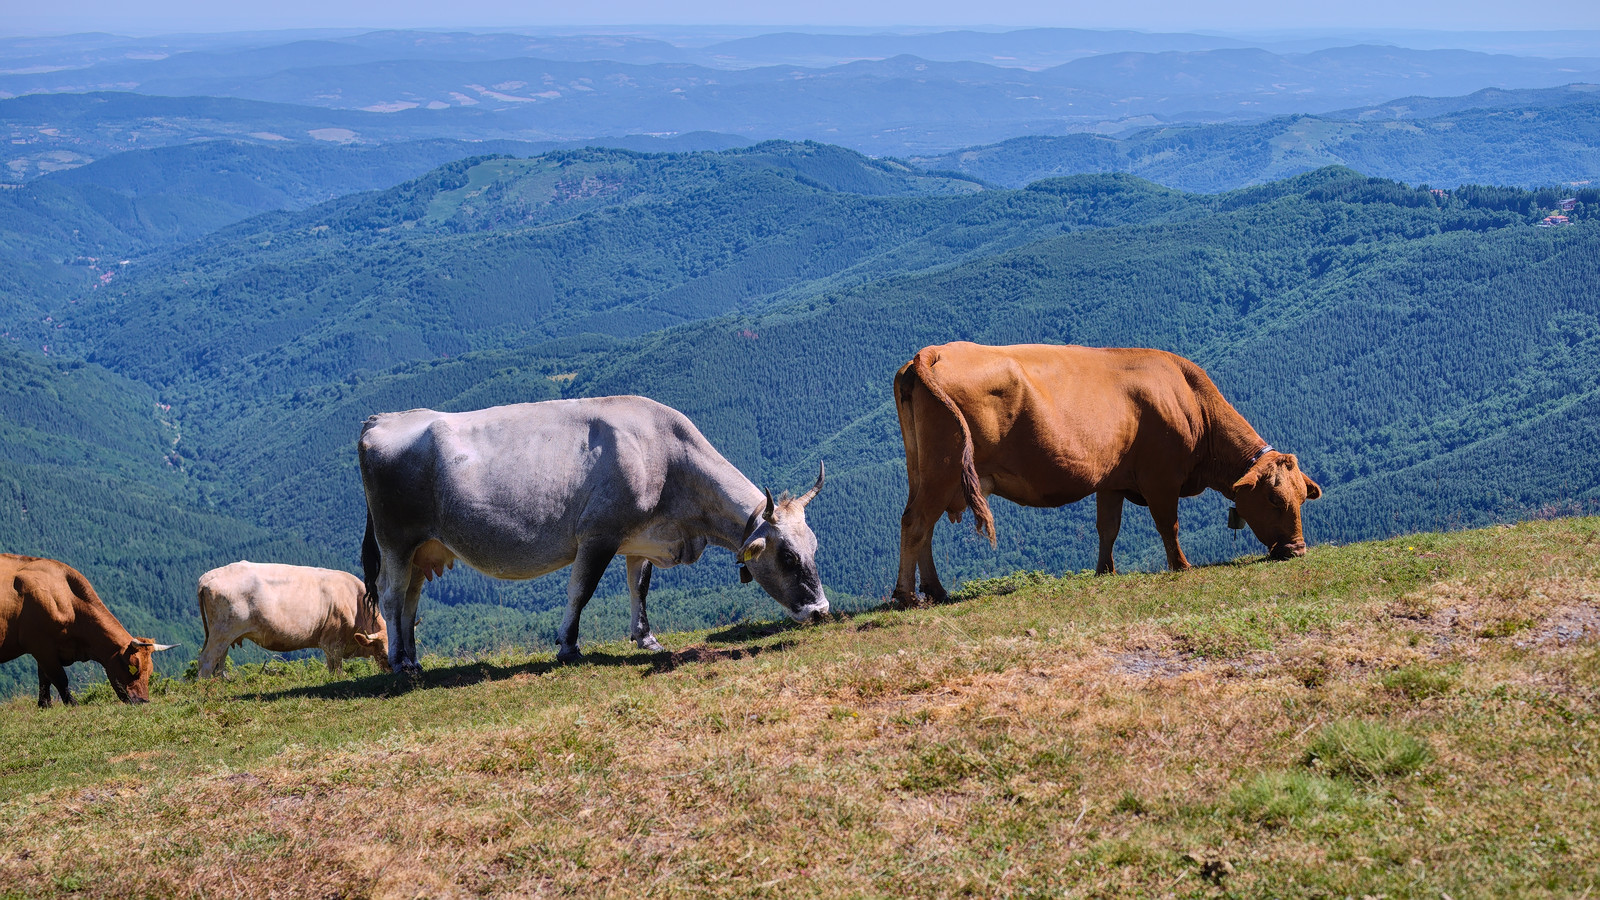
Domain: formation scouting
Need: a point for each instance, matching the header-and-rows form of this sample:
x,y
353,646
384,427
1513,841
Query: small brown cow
x,y
1044,425
49,611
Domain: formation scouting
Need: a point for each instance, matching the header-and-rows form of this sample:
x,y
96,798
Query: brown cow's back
x,y
50,611
41,601
1052,424
1046,425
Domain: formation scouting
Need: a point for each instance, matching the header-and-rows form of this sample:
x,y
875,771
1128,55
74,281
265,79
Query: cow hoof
x,y
567,656
649,642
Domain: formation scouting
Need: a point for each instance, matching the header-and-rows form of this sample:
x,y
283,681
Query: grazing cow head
x,y
780,554
371,635
129,671
1269,497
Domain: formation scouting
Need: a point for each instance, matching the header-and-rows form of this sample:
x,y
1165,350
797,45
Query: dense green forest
x,y
1434,357
1550,142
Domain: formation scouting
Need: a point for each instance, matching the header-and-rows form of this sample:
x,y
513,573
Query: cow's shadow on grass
x,y
742,632
468,674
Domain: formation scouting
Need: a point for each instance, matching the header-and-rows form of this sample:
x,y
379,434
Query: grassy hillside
x,y
66,230
1533,145
1415,717
1410,346
490,252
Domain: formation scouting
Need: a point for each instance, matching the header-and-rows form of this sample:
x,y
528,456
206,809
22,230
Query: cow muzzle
x,y
1287,550
814,612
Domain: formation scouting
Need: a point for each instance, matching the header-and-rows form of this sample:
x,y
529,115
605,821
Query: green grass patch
x,y
1278,798
1366,750
1420,682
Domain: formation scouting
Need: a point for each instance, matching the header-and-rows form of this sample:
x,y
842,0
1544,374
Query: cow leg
x,y
916,550
1108,521
394,586
587,568
1164,510
53,673
931,586
408,618
638,588
214,655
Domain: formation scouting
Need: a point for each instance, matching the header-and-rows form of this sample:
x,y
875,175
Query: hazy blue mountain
x,y
893,105
628,48
1314,80
1529,146
19,54
1024,48
1488,98
57,132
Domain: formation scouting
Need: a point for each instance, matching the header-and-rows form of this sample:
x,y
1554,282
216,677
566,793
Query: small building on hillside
x,y
1553,221
1568,203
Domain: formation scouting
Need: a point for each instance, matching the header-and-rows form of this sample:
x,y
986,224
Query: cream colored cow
x,y
284,608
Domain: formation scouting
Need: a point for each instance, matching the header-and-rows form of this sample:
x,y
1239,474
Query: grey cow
x,y
520,491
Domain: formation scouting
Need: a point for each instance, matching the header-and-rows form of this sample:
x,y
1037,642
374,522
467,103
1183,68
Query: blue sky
x,y
165,16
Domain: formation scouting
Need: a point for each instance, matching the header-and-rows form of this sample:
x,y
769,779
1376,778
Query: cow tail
x,y
205,621
982,517
371,561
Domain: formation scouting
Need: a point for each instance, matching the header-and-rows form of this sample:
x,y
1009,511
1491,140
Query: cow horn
x,y
803,499
767,514
154,647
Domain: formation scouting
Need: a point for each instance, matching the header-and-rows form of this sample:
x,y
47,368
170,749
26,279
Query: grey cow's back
x,y
513,489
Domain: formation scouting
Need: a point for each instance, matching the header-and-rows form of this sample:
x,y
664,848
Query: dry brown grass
x,y
1084,737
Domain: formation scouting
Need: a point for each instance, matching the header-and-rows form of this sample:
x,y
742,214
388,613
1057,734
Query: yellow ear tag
x,y
133,668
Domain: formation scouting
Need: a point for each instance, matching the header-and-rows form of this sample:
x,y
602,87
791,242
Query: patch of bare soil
x,y
1153,664
1555,610
1565,626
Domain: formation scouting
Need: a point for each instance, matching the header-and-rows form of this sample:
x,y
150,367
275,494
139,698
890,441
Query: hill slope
x,y
1532,144
1332,309
1416,716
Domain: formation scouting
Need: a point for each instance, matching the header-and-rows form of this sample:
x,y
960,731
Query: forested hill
x,y
1553,137
1410,345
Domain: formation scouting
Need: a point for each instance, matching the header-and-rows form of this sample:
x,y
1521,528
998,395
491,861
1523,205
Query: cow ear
x,y
1258,471
1313,490
365,640
752,549
1248,481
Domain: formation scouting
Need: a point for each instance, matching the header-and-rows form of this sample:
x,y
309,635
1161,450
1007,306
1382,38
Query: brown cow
x,y
1044,425
49,611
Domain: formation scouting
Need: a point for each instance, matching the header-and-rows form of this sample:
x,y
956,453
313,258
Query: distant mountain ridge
x,y
1549,137
890,104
